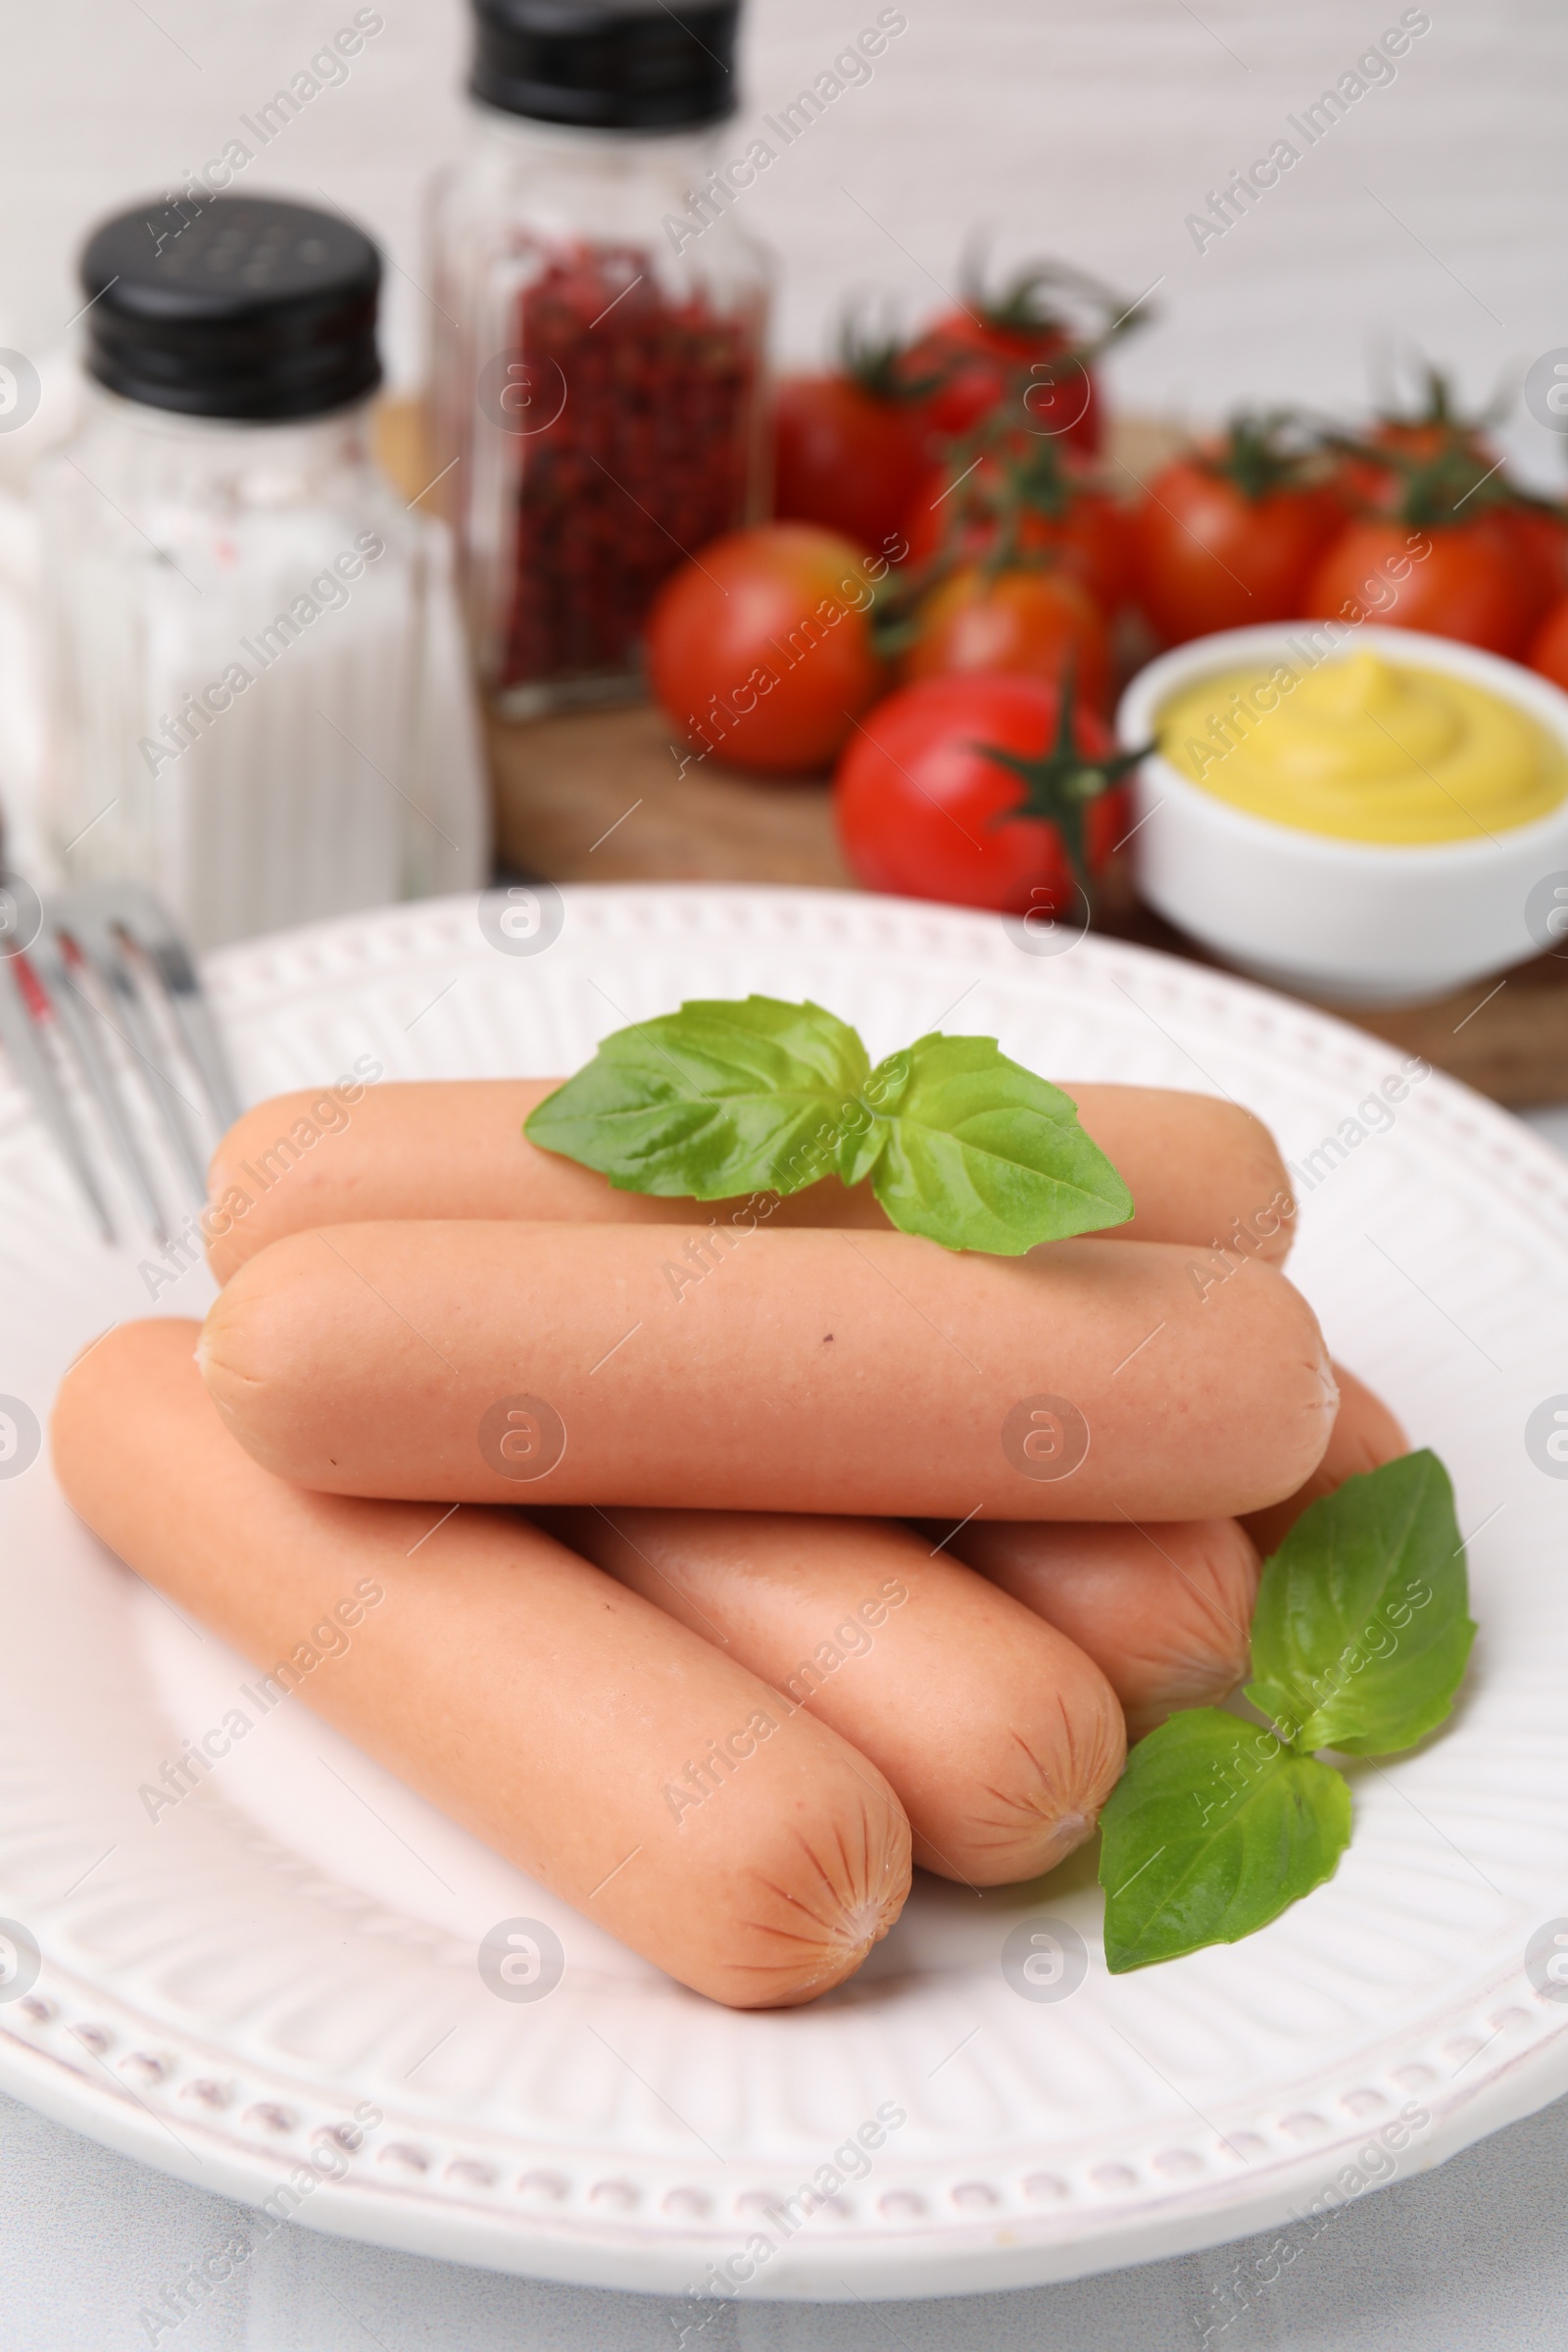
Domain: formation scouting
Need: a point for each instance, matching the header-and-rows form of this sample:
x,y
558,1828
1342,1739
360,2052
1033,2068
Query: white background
x,y
1429,220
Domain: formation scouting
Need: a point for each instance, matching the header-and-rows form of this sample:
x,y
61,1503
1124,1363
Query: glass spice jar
x,y
260,703
597,367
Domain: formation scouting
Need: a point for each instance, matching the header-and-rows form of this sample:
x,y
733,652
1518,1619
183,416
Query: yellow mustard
x,y
1365,749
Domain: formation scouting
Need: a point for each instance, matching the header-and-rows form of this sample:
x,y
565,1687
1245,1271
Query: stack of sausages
x,y
729,1559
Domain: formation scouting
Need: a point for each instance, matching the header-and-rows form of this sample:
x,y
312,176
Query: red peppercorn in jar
x,y
598,365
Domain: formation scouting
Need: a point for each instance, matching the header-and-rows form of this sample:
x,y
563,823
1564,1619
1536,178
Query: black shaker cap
x,y
232,306
608,64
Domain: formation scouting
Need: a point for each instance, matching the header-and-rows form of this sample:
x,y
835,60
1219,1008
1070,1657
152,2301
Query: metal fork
x,y
105,990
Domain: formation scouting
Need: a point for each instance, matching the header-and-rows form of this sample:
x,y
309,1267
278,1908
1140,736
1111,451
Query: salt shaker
x,y
258,697
598,333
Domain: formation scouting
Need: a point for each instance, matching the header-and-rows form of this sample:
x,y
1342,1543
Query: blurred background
x,y
527,687
1428,220
1292,371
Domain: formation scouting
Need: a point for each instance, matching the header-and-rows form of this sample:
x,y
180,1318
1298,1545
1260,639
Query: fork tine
x,y
106,951
24,1008
149,927
104,947
77,1012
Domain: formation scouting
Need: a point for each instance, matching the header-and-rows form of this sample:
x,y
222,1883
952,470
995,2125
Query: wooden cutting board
x,y
605,797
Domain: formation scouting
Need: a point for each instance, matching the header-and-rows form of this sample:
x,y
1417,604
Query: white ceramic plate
x,y
221,1988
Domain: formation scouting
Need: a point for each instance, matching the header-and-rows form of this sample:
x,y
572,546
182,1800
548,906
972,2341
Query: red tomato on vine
x,y
1548,649
1229,535
995,791
1035,624
760,650
1020,348
851,447
1018,501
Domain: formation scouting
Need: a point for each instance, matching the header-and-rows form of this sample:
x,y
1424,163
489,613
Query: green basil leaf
x,y
962,1145
715,1099
1213,1830
982,1155
1361,1630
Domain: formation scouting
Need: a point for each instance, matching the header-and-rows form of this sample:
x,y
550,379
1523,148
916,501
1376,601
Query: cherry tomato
x,y
1535,538
1374,476
1034,370
1548,647
846,458
1458,580
1016,347
1365,480
1210,557
1093,542
1034,624
1440,478
926,804
761,649
1086,535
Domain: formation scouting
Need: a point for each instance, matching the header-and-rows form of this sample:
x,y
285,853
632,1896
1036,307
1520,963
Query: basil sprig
x,y
1360,1633
1360,1642
721,1099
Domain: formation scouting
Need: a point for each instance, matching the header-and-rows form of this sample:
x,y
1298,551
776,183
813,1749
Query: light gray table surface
x,y
1471,2256
1468,2258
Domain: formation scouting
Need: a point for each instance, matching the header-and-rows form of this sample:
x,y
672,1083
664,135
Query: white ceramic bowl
x,y
1353,922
